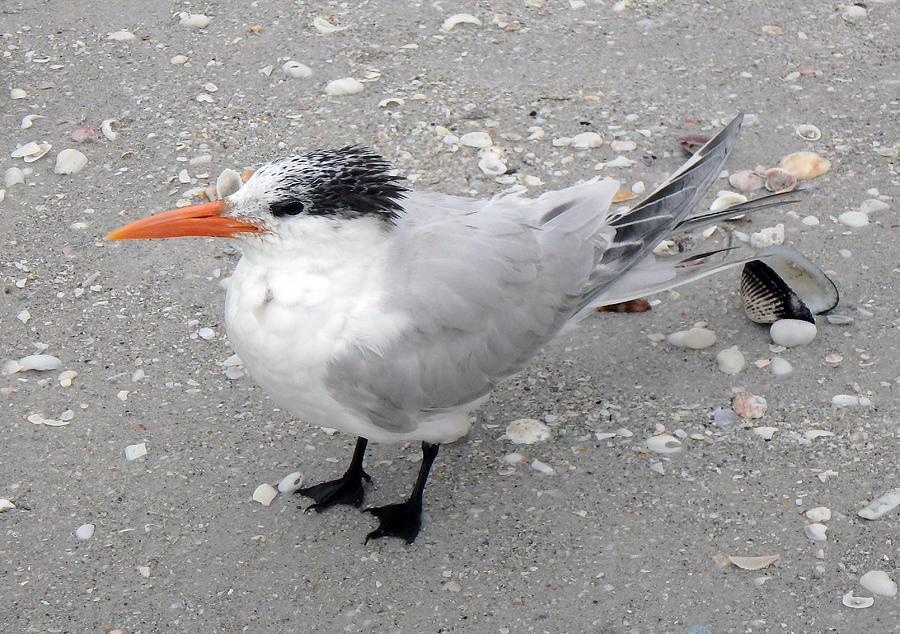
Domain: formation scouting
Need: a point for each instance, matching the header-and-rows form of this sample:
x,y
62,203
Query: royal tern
x,y
391,314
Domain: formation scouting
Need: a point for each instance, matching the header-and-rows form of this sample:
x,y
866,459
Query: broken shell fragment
x,y
852,601
753,563
107,131
264,494
726,199
228,182
344,86
780,180
459,18
881,505
28,120
13,176
803,165
808,132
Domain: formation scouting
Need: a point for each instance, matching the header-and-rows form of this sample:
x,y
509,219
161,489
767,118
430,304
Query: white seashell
x,y
767,237
535,133
857,602
695,338
780,367
133,452
392,101
228,182
527,431
619,161
808,132
663,444
55,423
264,494
206,333
43,148
6,505
804,165
28,120
879,582
746,181
810,221
344,86
65,377
766,433
726,199
21,151
586,141
23,316
291,482
457,19
792,273
815,532
730,360
17,93
880,505
36,419
85,531
541,466
604,435
178,60
623,145
871,205
853,12
39,362
853,219
13,176
780,180
106,129
792,332
324,26
850,400
70,161
120,36
819,514
562,141
476,139
753,563
195,20
296,69
491,164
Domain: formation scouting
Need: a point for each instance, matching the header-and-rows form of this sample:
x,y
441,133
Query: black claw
x,y
401,520
347,489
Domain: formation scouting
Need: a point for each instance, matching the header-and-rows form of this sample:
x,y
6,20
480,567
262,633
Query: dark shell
x,y
767,298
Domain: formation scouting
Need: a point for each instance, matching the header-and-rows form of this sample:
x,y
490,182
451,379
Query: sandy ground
x,y
606,543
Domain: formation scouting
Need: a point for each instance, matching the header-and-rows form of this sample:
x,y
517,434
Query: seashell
x,y
695,338
767,237
780,180
264,494
663,444
725,199
178,60
344,86
6,505
291,482
13,176
392,101
769,288
815,532
527,431
750,406
39,362
691,143
28,120
43,148
195,20
325,27
476,139
17,93
850,400
803,165
106,129
228,182
624,145
746,181
70,161
808,132
85,531
753,563
853,219
586,140
65,377
133,452
296,69
871,205
851,601
780,367
457,19
120,36
819,514
491,164
535,133
83,133
792,332
853,12
730,360
767,298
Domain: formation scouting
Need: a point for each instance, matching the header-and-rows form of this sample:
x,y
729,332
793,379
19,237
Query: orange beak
x,y
196,220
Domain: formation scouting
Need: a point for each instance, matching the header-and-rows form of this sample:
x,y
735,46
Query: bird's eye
x,y
286,208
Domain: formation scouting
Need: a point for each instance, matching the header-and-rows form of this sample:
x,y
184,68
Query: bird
x,y
391,314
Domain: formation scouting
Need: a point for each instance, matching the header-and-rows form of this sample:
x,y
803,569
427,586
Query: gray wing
x,y
483,287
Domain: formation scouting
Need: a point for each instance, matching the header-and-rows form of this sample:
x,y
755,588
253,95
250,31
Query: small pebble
x,y
850,400
780,367
810,221
854,219
819,514
133,452
872,205
206,333
543,467
695,338
6,505
792,332
344,86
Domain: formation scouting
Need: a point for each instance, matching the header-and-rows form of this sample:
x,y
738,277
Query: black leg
x,y
348,489
404,520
